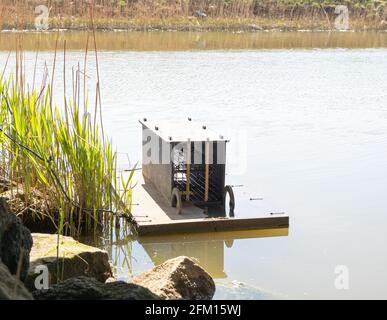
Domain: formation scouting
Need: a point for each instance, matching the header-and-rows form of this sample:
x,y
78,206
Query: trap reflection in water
x,y
208,249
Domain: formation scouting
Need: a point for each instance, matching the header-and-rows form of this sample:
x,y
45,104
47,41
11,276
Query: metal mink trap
x,y
185,162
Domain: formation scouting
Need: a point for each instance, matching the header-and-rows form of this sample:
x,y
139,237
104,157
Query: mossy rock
x,y
72,259
15,242
86,288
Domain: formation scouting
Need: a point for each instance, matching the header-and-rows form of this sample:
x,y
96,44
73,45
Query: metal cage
x,y
185,162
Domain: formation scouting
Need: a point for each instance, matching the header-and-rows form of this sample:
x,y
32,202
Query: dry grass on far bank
x,y
221,15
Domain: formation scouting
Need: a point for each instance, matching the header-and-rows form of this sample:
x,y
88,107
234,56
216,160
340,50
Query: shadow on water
x,y
208,249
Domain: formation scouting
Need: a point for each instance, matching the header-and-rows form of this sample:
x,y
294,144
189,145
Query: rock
x,y
235,290
15,242
178,278
10,287
75,259
82,288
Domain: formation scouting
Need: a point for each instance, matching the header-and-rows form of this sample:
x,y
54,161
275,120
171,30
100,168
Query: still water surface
x,y
307,120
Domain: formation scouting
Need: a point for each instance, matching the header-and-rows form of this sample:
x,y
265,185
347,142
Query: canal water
x,y
306,115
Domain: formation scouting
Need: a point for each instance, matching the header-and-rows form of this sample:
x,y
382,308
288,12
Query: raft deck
x,y
153,215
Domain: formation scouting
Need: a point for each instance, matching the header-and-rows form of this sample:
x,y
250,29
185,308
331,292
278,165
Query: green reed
x,y
56,161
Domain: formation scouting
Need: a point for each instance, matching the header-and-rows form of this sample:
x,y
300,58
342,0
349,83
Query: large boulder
x,y
71,260
178,278
12,288
86,288
15,242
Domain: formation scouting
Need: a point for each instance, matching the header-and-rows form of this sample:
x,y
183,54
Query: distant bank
x,y
195,15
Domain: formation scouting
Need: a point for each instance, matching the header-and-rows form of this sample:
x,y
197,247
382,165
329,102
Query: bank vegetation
x,y
231,15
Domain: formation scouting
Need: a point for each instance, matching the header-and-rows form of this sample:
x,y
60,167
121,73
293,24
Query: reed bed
x,y
57,167
179,14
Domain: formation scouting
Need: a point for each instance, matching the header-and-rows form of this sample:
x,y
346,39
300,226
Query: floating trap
x,y
182,185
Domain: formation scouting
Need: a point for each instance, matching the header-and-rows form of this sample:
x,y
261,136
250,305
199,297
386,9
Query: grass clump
x,y
57,167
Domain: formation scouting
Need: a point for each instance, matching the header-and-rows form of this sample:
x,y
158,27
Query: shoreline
x,y
153,30
187,24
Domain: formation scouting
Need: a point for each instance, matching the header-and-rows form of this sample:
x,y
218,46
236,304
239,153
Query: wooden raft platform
x,y
153,215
